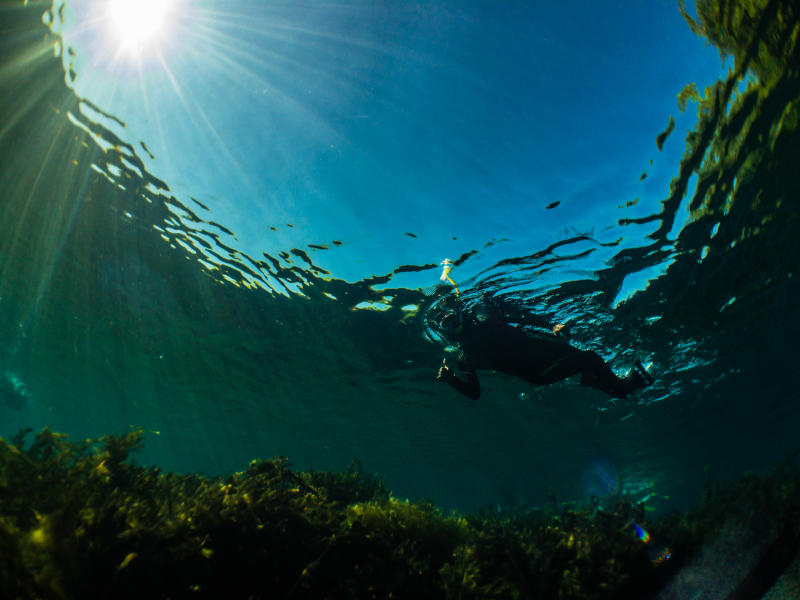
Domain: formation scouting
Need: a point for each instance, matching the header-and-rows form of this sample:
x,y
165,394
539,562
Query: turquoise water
x,y
246,277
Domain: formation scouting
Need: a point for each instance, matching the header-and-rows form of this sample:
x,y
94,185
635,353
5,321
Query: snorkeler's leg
x,y
557,361
597,374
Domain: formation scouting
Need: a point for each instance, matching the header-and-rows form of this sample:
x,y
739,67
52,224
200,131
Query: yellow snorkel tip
x,y
447,266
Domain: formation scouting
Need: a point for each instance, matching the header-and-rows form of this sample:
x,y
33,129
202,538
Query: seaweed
x,y
79,519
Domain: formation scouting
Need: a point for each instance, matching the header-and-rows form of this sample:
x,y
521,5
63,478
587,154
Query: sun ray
x,y
208,123
32,97
60,219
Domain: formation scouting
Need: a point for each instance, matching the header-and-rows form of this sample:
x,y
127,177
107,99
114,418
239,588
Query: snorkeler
x,y
493,344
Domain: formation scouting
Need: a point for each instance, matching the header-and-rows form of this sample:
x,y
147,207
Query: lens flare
x,y
660,555
641,533
600,478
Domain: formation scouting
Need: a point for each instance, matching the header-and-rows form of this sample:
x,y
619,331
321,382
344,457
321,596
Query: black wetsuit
x,y
540,360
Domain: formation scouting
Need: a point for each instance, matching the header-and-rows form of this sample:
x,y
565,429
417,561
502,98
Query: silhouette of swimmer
x,y
493,344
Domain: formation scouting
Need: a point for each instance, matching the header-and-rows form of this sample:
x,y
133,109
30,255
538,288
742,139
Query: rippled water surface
x,y
231,232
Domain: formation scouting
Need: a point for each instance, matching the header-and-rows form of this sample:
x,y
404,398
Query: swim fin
x,y
639,367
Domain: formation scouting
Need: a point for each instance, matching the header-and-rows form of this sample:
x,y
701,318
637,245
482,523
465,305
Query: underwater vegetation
x,y
80,520
744,150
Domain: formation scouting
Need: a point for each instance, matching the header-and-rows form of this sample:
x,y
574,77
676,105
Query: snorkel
x,y
447,266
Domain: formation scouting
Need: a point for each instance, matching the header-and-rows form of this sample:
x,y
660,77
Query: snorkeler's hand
x,y
445,372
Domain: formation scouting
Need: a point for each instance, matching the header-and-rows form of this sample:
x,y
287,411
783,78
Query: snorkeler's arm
x,y
559,329
537,322
469,386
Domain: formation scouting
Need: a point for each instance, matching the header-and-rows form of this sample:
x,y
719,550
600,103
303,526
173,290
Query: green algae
x,y
760,35
79,519
743,154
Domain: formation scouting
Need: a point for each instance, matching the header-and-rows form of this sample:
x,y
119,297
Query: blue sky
x,y
360,122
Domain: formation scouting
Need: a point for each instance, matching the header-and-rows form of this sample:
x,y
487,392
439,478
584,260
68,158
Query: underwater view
x,y
397,299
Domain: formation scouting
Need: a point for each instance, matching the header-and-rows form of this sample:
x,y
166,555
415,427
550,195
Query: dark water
x,y
122,304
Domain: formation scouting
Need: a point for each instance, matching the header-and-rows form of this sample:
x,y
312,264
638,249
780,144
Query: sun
x,y
139,27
